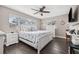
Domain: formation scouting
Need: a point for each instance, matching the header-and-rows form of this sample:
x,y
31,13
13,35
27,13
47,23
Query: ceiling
x,y
55,10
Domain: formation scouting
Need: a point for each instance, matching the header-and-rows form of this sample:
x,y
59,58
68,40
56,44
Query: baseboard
x,y
60,37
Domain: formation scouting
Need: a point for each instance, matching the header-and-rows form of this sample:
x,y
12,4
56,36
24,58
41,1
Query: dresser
x,y
11,38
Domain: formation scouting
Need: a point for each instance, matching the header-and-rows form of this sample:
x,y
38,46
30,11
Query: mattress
x,y
32,36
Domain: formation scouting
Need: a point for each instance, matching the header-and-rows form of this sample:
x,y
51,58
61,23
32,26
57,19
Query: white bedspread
x,y
32,36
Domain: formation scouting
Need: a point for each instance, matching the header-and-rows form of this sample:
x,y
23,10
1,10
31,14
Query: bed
x,y
36,39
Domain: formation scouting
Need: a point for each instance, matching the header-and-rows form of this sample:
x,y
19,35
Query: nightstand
x,y
2,39
11,38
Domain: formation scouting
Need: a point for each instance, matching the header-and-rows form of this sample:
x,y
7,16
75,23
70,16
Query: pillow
x,y
28,28
25,28
72,31
34,28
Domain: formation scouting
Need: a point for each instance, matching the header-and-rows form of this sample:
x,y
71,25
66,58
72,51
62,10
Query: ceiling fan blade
x,y
41,9
34,9
36,12
46,11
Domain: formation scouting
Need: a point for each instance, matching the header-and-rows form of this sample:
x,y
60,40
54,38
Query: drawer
x,y
15,36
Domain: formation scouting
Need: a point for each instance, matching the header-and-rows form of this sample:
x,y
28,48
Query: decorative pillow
x,y
72,31
34,28
25,28
28,28
77,32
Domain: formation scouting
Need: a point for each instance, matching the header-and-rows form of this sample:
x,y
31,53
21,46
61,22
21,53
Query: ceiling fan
x,y
41,11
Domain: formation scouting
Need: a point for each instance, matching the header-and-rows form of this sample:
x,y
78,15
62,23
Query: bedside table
x,y
11,38
2,39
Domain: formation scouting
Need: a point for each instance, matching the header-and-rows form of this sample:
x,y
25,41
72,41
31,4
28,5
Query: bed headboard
x,y
28,28
24,28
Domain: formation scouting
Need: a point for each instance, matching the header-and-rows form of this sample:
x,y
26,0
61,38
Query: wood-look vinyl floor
x,y
57,46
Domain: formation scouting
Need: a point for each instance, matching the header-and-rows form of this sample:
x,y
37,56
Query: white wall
x,y
60,24
60,14
4,19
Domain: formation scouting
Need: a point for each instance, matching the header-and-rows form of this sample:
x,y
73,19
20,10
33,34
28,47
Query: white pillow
x,y
25,28
28,28
34,28
75,39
